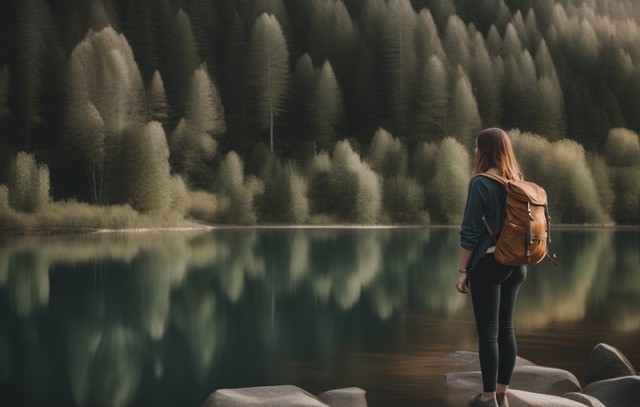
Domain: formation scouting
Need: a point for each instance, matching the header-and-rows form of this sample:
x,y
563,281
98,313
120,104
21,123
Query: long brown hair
x,y
495,151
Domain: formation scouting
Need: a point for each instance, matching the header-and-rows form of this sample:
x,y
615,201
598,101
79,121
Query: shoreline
x,y
195,227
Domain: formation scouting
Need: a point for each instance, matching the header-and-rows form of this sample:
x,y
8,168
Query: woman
x,y
494,287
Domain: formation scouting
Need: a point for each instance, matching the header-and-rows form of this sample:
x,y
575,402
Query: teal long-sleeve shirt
x,y
486,197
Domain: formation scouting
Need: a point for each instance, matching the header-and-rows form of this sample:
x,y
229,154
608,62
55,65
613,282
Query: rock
x,y
461,386
545,380
282,396
606,362
584,399
621,391
464,361
349,397
521,398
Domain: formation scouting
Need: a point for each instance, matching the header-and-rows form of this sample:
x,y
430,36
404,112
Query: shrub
x,y
180,200
387,156
446,192
4,199
206,206
319,192
571,185
28,184
241,193
627,187
561,168
603,179
355,188
146,182
424,162
622,148
285,193
403,200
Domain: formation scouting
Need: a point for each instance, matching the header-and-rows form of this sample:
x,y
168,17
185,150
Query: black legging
x,y
494,290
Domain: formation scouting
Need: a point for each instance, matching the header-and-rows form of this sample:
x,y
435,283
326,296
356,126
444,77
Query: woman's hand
x,y
462,283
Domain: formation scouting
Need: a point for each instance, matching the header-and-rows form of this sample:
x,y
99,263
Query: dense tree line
x,y
364,111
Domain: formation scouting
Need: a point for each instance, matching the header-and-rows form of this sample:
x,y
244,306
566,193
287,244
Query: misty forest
x,y
118,114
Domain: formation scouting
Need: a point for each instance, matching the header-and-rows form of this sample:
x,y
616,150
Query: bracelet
x,y
462,271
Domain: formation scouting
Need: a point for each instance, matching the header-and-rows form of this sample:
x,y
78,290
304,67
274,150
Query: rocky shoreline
x,y
610,381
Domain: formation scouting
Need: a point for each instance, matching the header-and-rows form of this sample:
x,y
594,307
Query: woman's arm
x,y
462,283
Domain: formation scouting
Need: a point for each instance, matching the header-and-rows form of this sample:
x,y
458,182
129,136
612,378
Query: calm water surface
x,y
165,318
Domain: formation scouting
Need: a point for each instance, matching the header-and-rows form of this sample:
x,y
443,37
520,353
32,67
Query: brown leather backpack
x,y
526,235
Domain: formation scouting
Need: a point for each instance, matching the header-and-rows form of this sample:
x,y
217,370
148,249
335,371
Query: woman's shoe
x,y
502,400
478,401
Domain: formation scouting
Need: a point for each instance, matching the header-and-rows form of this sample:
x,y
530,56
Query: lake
x,y
165,318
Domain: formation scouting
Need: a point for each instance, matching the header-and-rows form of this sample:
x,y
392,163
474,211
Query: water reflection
x,y
118,319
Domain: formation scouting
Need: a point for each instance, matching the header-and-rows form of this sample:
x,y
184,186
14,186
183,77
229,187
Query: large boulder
x,y
282,396
348,397
584,399
621,391
465,361
521,398
606,362
461,386
546,380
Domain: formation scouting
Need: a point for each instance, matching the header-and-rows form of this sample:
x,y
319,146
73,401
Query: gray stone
x,y
584,399
545,380
460,387
281,396
464,361
621,391
348,397
521,398
606,362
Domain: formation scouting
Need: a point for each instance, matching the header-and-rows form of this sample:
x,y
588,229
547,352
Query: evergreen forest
x,y
148,113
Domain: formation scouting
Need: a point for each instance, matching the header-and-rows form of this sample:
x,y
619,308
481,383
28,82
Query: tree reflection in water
x,y
122,319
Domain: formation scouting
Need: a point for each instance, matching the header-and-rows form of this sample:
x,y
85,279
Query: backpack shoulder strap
x,y
501,180
494,177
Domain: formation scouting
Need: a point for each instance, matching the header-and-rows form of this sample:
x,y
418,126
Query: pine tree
x,y
233,85
427,39
464,120
401,62
206,30
549,109
181,61
305,78
275,8
326,107
494,42
203,108
512,46
100,111
157,105
267,72
432,101
366,112
147,176
456,43
442,10
485,83
34,52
